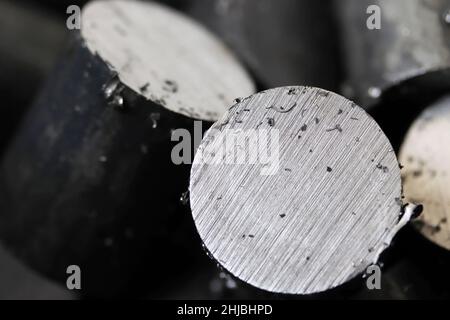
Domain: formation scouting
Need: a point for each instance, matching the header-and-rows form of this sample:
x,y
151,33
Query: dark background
x,y
32,38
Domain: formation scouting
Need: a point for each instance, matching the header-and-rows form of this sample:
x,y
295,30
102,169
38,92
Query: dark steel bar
x,y
283,42
89,179
408,56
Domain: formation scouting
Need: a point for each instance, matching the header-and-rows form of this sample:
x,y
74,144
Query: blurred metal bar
x,y
408,56
89,179
30,42
283,42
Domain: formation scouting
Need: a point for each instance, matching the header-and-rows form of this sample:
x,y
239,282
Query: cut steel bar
x,y
89,180
425,156
317,204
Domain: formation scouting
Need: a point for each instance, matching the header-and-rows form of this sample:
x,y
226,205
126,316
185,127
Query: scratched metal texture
x,y
317,221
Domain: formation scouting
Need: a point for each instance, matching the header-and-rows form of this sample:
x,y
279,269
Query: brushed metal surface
x,y
328,212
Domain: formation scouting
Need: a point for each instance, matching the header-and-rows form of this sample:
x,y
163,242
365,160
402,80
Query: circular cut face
x,y
314,201
165,56
425,155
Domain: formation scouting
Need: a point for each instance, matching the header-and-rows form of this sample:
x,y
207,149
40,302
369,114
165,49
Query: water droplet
x,y
374,92
112,92
230,283
323,93
154,117
111,87
184,199
117,101
103,159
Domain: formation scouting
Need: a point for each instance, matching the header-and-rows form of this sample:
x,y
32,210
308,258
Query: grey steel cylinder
x,y
283,42
408,55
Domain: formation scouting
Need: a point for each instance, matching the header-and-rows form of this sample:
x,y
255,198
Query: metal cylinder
x,y
425,158
283,42
90,180
408,56
296,191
